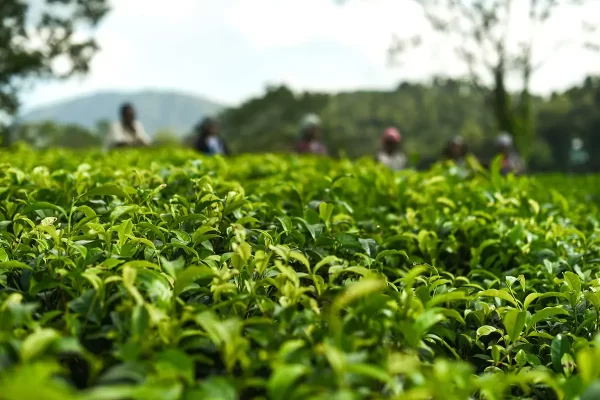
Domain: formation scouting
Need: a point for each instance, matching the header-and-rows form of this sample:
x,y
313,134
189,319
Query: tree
x,y
479,32
269,122
47,134
426,114
569,115
4,135
43,39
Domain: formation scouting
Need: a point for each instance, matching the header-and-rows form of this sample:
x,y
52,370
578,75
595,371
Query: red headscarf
x,y
391,134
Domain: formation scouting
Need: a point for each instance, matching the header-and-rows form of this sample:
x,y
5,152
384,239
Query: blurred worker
x,y
310,136
208,140
391,153
511,160
128,131
456,150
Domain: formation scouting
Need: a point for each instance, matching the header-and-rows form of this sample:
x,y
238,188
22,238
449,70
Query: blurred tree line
x,y
428,115
49,134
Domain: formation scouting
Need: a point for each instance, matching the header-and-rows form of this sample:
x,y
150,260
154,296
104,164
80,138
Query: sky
x,y
229,50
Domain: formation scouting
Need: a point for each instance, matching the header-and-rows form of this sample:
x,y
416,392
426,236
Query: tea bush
x,y
158,275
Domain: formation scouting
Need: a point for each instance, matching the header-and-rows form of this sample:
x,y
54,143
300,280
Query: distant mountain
x,y
157,109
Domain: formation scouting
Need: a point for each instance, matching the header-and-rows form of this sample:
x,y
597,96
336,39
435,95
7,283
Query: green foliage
x,y
573,113
480,33
48,134
157,275
251,126
166,137
427,114
34,34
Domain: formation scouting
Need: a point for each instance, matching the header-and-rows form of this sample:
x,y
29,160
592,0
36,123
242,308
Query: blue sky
x,y
228,50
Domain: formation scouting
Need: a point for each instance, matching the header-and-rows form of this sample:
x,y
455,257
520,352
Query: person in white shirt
x,y
391,154
128,132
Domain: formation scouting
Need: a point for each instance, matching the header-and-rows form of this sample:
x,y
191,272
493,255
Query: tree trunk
x,y
502,102
525,132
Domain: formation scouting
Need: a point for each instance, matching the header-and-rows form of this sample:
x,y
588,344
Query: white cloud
x,y
172,12
364,25
229,49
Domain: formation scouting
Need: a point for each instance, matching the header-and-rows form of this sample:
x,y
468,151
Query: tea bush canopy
x,y
158,275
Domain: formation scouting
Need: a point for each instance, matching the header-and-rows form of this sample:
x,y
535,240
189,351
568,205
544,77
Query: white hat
x,y
309,121
504,140
458,140
576,144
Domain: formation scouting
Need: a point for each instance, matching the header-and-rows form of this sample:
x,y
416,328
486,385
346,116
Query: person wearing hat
x,y
208,140
456,150
310,140
511,160
391,154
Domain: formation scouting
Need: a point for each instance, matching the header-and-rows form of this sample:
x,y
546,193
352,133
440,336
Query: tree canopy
x,y
44,39
482,36
426,114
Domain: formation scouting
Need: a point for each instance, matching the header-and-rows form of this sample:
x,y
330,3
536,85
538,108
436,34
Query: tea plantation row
x,y
155,275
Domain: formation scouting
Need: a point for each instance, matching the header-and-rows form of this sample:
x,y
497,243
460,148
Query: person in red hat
x,y
391,154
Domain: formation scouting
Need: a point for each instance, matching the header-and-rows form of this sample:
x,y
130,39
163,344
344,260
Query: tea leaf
x,y
37,342
545,314
42,205
502,294
325,211
588,368
283,378
8,265
592,392
358,290
573,281
105,190
514,322
530,298
214,388
388,253
446,298
560,346
369,371
485,330
188,276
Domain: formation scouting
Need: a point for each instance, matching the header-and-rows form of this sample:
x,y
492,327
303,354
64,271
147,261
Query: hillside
x,y
157,109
